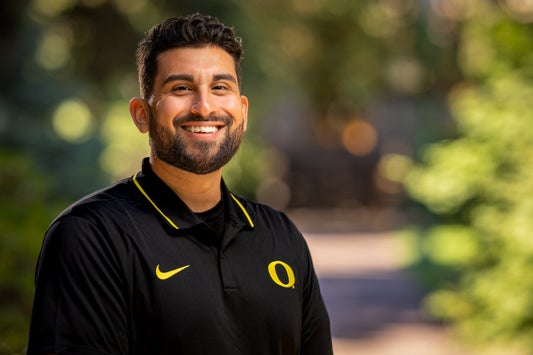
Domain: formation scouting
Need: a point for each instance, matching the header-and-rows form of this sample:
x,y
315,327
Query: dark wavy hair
x,y
194,30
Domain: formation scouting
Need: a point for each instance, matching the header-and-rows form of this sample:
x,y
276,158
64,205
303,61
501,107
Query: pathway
x,y
375,308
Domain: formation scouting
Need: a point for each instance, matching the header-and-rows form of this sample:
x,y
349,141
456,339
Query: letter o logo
x,y
274,274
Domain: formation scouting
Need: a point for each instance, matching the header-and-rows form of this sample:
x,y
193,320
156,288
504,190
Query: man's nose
x,y
202,105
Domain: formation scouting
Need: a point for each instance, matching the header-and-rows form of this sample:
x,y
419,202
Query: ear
x,y
139,111
244,101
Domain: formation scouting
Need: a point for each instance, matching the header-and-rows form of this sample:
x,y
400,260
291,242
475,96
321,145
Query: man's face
x,y
197,115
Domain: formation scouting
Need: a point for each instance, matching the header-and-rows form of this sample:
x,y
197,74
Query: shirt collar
x,y
173,210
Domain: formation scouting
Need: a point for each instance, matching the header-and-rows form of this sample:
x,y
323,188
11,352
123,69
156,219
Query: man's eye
x,y
180,88
219,87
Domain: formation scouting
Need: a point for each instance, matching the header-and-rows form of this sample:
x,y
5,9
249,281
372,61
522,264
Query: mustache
x,y
178,121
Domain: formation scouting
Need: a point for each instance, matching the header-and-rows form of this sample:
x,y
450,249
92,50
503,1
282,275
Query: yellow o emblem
x,y
274,274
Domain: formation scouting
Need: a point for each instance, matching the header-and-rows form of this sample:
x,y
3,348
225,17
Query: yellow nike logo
x,y
163,275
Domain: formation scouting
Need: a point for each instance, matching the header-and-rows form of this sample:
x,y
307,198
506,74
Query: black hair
x,y
194,30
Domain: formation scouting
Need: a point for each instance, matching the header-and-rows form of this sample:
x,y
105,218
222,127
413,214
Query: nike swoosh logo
x,y
163,275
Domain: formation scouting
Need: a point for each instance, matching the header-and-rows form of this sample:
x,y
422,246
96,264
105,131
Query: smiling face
x,y
196,115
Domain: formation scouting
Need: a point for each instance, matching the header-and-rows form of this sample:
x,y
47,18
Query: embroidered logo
x,y
273,272
163,275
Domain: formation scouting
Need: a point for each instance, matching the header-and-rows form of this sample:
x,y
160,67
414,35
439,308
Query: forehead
x,y
194,61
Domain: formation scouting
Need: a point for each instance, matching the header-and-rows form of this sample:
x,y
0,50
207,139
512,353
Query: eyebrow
x,y
228,77
176,77
186,77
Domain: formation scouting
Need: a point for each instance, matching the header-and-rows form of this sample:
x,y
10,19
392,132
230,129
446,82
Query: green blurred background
x,y
414,111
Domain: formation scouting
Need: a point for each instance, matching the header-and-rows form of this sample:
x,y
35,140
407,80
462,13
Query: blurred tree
x,y
480,183
25,210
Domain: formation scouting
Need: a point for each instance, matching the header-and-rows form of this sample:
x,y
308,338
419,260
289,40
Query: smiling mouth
x,y
201,129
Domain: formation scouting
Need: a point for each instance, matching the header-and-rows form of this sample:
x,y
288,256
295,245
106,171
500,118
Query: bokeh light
x,y
73,121
405,75
54,51
359,137
394,167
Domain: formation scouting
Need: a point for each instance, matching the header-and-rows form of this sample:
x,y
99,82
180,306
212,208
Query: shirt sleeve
x,y
316,331
79,305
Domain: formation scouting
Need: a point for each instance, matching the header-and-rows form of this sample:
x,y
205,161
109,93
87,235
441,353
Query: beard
x,y
198,157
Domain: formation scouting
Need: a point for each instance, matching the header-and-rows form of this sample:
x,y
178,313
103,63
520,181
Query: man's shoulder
x,y
118,195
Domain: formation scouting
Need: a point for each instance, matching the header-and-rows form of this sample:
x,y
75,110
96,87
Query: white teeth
x,y
201,129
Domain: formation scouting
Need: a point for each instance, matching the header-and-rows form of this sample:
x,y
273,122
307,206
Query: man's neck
x,y
199,192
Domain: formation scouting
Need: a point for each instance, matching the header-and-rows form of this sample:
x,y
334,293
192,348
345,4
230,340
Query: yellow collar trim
x,y
243,210
170,221
153,203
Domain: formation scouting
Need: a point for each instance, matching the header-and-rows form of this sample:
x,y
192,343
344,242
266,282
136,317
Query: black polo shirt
x,y
132,270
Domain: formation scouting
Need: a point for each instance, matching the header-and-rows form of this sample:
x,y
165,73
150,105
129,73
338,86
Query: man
x,y
169,261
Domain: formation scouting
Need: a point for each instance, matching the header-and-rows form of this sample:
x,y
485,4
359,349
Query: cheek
x,y
167,109
234,107
170,105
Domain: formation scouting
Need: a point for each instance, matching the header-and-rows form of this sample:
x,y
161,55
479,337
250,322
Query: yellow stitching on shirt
x,y
242,208
152,202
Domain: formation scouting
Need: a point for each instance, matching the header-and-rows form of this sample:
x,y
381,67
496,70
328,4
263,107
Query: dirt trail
x,y
375,308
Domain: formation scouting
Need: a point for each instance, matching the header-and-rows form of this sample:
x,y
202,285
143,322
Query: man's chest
x,y
188,288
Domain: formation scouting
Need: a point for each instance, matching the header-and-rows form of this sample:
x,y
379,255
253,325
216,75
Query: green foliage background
x,y
25,208
480,184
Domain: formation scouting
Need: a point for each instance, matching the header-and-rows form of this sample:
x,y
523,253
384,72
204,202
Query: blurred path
x,y
375,308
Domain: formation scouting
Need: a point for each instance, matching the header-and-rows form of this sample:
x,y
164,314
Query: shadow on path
x,y
362,305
